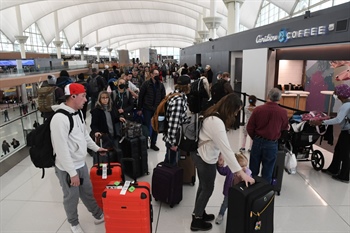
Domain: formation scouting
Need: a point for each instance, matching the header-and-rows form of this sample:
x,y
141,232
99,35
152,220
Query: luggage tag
x,y
104,171
125,188
258,221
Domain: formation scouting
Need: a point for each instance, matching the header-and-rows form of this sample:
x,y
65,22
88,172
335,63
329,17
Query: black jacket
x,y
150,95
99,121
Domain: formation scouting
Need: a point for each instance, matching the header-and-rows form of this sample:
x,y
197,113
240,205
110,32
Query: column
x,y
20,38
110,53
58,45
233,14
212,22
98,49
204,35
57,41
24,93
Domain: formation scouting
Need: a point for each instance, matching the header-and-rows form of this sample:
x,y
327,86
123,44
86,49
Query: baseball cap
x,y
74,89
183,80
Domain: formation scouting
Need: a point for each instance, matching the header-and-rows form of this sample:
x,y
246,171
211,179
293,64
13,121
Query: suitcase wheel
x,y
171,206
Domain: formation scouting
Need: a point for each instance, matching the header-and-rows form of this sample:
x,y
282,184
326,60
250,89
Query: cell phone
x,y
69,180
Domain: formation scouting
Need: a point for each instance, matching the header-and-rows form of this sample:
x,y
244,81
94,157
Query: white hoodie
x,y
70,149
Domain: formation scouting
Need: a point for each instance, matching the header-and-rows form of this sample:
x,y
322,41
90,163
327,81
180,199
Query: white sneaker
x,y
100,220
219,219
76,229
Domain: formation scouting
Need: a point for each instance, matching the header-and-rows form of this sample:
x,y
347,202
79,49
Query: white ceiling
x,y
124,24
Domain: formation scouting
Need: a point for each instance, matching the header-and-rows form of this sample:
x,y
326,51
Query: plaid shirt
x,y
176,115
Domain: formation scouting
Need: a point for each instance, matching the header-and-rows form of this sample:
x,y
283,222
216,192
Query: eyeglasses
x,y
105,98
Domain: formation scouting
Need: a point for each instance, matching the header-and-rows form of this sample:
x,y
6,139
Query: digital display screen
x,y
14,63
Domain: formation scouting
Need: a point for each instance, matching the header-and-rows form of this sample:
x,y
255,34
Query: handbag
x,y
290,163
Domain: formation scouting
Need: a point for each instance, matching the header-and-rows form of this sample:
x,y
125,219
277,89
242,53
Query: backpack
x,y
217,91
196,96
39,140
160,112
46,98
187,136
93,82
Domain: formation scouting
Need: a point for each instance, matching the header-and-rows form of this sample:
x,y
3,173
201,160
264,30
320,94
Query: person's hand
x,y
120,110
315,122
221,161
244,177
98,134
174,148
139,113
75,181
122,119
102,151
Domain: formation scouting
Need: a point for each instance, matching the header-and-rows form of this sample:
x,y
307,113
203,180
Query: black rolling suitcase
x,y
277,175
186,162
167,183
250,209
135,149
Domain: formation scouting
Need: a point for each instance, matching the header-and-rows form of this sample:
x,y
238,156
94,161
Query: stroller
x,y
302,136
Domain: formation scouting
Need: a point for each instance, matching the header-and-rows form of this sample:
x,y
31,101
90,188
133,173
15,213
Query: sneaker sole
x,y
200,229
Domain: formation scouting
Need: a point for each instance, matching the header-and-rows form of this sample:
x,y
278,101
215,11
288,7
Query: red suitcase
x,y
102,174
128,212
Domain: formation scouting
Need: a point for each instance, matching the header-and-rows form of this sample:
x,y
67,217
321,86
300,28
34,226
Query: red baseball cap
x,y
74,89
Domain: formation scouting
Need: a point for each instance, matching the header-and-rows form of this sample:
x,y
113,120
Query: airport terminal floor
x,y
310,201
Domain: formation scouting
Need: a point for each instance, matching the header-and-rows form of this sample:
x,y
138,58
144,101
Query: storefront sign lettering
x,y
284,35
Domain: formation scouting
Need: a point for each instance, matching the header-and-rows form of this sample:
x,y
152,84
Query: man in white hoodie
x,y
71,150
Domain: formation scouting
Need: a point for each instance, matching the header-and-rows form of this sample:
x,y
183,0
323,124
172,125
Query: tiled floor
x,y
310,201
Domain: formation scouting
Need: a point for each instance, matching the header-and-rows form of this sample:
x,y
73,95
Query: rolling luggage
x,y
186,162
103,173
127,207
250,209
277,175
167,183
136,150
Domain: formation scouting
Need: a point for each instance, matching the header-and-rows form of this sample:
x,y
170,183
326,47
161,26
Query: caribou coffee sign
x,y
285,35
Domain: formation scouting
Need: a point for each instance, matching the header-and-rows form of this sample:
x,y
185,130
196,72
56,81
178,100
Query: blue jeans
x,y
171,157
264,152
147,115
224,206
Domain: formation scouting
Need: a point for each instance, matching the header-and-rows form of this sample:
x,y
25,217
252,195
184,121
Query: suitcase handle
x,y
122,162
99,167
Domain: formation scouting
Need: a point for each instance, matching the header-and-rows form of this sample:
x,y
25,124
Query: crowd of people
x,y
133,94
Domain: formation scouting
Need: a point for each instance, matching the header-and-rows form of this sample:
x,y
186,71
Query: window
x,y
5,43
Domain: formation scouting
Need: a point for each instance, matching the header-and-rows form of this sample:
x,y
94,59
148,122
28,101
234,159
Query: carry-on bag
x,y
127,207
103,173
277,175
186,162
167,183
136,149
251,209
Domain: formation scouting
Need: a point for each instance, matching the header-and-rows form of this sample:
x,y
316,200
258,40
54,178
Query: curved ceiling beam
x,y
114,32
122,43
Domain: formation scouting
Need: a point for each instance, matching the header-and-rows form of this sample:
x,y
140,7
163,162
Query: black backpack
x,y
196,96
218,91
39,140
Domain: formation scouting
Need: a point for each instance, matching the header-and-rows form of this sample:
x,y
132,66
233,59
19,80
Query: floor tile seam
x,y
156,227
34,201
313,189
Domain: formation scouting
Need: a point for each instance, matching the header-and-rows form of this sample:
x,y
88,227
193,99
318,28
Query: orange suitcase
x,y
127,207
101,176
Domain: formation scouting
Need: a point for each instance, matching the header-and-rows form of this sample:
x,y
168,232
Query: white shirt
x,y
213,135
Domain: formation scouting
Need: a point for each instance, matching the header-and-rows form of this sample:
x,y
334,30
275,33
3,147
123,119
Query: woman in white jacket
x,y
219,119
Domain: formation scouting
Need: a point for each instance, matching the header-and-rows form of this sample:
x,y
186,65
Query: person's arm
x,y
217,131
129,104
59,127
95,121
174,112
251,125
342,113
